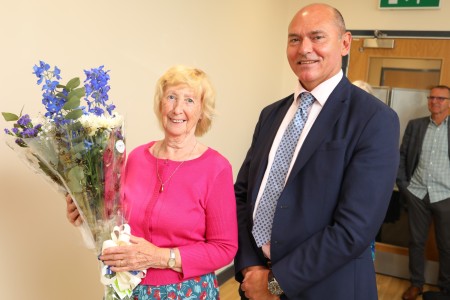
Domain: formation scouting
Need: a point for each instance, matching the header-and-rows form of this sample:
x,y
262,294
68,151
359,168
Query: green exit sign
x,y
409,4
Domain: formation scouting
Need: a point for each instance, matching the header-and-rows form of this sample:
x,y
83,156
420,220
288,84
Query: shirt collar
x,y
444,122
323,90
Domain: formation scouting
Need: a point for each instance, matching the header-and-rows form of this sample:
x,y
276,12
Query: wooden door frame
x,y
391,34
402,34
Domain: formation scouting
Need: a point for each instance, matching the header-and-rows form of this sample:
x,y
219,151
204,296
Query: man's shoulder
x,y
420,121
361,101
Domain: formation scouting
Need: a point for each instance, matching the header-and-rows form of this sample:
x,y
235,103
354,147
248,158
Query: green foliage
x,y
73,83
73,98
75,178
74,114
10,116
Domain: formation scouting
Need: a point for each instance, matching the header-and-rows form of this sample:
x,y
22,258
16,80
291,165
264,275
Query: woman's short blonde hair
x,y
364,85
199,82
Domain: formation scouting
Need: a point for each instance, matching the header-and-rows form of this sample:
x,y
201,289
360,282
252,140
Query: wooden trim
x,y
225,274
391,249
402,34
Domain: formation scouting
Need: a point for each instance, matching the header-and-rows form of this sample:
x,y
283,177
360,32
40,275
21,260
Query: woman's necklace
x,y
161,188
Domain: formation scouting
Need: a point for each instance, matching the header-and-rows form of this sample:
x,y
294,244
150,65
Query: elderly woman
x,y
178,198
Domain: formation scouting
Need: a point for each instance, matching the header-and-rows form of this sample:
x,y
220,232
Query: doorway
x,y
412,65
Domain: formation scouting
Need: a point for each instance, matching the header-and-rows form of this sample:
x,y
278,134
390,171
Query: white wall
x,y
365,14
241,44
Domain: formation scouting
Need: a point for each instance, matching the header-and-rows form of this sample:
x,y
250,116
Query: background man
x,y
424,182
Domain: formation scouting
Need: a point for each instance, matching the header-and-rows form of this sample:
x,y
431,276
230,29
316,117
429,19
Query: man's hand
x,y
255,283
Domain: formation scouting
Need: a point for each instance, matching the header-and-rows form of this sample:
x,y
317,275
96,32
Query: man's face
x,y
316,45
438,101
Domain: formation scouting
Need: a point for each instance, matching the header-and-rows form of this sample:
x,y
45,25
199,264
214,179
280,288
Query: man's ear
x,y
346,40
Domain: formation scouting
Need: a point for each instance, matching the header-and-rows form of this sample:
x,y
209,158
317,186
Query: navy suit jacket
x,y
334,201
411,149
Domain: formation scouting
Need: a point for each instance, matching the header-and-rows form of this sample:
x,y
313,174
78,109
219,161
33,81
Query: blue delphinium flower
x,y
53,105
50,85
43,71
110,108
52,99
96,111
97,88
40,71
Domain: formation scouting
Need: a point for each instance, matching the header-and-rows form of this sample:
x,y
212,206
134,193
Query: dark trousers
x,y
435,296
420,214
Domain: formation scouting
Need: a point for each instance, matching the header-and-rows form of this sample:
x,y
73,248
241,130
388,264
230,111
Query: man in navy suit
x,y
339,182
424,182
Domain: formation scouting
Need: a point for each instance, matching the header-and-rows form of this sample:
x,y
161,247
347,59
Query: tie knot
x,y
306,100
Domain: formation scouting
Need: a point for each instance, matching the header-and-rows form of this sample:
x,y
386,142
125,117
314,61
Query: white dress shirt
x,y
321,93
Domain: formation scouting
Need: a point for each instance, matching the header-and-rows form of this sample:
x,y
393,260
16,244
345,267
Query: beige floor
x,y
389,288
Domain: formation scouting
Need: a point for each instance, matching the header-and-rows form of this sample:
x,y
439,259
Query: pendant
x,y
161,188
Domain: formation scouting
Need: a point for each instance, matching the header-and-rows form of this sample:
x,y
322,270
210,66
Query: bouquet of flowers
x,y
80,150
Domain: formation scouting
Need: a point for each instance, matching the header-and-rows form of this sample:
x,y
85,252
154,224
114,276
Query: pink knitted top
x,y
195,213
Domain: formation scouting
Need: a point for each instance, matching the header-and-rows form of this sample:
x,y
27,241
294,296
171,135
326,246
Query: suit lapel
x,y
337,102
421,136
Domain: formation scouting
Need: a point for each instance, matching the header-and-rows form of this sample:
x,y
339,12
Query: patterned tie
x,y
262,227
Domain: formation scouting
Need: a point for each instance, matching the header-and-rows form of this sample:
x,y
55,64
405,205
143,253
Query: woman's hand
x,y
140,255
72,213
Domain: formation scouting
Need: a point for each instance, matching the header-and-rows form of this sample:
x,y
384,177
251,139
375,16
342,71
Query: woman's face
x,y
181,110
